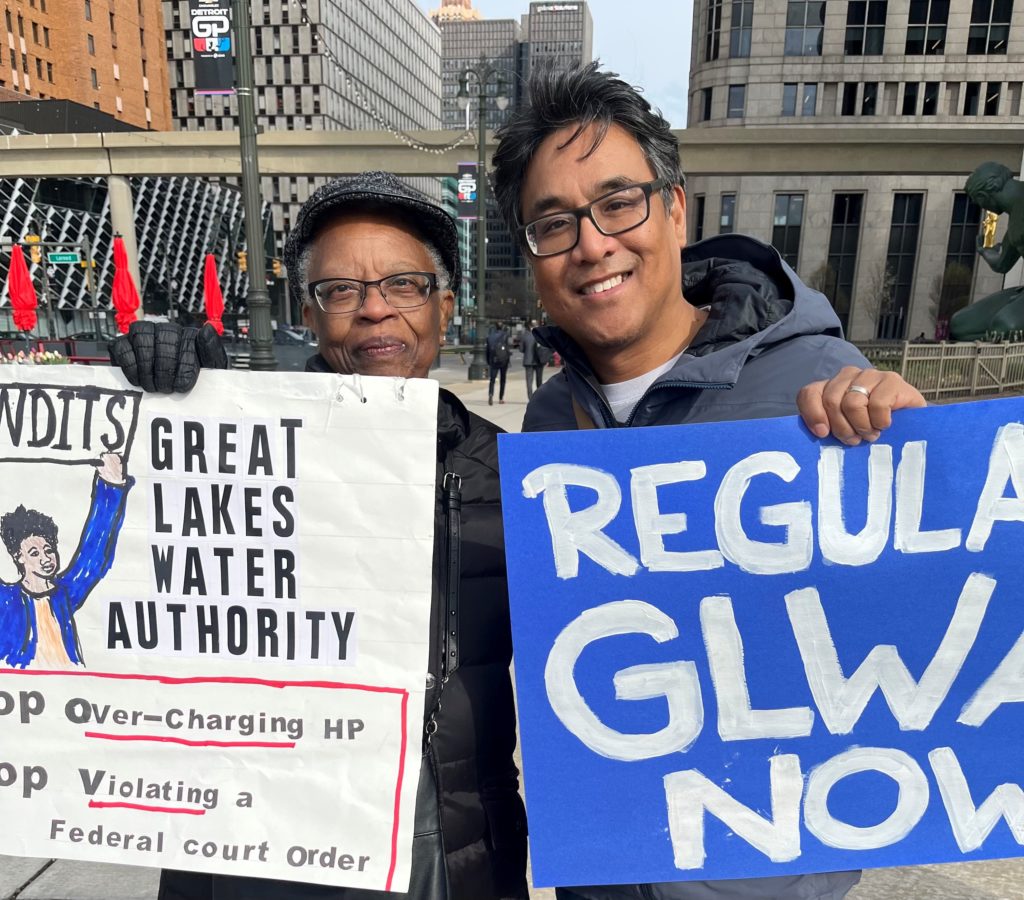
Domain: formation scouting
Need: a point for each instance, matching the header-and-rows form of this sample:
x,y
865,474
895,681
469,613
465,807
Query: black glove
x,y
164,357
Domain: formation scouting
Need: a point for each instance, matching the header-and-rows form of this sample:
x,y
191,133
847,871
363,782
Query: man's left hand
x,y
855,405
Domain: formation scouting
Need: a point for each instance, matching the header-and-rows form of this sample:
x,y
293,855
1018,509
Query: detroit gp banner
x,y
741,651
214,616
210,30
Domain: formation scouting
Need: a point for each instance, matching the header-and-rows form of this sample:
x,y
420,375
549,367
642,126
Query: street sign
x,y
63,257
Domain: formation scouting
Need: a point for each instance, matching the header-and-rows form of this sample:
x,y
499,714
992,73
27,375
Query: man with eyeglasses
x,y
372,263
654,332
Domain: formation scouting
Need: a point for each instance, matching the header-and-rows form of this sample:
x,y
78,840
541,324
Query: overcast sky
x,y
645,41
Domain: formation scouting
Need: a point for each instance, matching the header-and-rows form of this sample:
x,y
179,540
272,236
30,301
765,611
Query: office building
x,y
895,254
555,35
336,65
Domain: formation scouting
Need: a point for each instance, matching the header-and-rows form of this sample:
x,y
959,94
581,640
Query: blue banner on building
x,y
467,191
741,651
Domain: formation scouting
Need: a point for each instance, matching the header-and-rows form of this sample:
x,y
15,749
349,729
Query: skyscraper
x,y
558,35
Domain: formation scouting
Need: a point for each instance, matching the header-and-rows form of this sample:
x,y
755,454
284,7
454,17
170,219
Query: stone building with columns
x,y
893,251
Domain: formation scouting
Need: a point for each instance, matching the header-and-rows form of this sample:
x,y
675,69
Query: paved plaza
x,y
32,879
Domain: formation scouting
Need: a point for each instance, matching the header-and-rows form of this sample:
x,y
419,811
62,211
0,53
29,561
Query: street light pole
x,y
257,300
482,73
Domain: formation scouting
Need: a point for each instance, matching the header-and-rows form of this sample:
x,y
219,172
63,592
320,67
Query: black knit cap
x,y
379,192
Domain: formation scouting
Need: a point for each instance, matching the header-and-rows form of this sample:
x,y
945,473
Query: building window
x,y
740,29
990,26
698,222
789,217
842,253
727,219
9,20
789,99
706,97
95,79
926,27
849,107
21,25
46,37
35,32
805,22
992,93
39,68
910,98
90,44
88,10
895,288
865,27
869,99
931,98
810,100
49,72
713,34
737,101
972,93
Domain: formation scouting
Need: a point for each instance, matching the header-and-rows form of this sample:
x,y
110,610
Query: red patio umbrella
x,y
21,292
125,294
212,296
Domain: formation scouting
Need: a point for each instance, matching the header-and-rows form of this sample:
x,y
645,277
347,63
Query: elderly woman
x,y
373,262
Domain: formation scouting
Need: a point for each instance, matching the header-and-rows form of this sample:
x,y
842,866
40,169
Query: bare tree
x,y
824,280
877,295
951,292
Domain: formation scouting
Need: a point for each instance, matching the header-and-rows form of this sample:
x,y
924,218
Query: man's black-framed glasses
x,y
612,213
339,296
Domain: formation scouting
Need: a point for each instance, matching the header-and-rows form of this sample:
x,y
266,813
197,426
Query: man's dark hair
x,y
23,523
582,96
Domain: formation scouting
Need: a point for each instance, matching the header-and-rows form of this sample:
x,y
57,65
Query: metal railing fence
x,y
950,370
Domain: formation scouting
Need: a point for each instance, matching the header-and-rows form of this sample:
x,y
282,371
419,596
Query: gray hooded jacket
x,y
766,336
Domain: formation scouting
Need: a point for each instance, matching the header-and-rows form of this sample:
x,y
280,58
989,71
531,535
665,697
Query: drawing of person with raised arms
x,y
37,612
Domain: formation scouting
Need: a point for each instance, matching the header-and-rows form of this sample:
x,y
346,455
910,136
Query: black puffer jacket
x,y
467,771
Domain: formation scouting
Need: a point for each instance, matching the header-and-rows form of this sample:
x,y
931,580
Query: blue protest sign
x,y
741,651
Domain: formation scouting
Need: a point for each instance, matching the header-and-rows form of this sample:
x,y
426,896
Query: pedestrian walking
x,y
499,354
535,357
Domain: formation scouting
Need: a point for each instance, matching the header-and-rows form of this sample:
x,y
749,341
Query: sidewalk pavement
x,y
508,415
35,879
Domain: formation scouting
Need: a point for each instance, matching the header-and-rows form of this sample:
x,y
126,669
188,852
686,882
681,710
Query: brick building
x,y
105,54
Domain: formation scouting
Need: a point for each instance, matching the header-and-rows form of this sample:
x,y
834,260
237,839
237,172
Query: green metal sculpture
x,y
993,187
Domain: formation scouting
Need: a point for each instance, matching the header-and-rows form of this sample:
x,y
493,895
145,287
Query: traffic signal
x,y
243,261
35,253
275,267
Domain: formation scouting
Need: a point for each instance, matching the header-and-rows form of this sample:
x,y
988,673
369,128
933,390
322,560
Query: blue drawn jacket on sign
x,y
744,652
92,560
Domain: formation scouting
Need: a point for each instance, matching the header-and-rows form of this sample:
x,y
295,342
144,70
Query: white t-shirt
x,y
625,395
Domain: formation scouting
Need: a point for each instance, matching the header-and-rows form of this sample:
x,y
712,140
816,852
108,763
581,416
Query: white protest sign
x,y
214,621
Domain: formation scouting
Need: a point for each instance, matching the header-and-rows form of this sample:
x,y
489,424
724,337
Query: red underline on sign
x,y
272,745
101,804
167,679
398,796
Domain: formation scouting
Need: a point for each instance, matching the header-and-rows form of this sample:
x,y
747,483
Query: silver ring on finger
x,y
858,389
